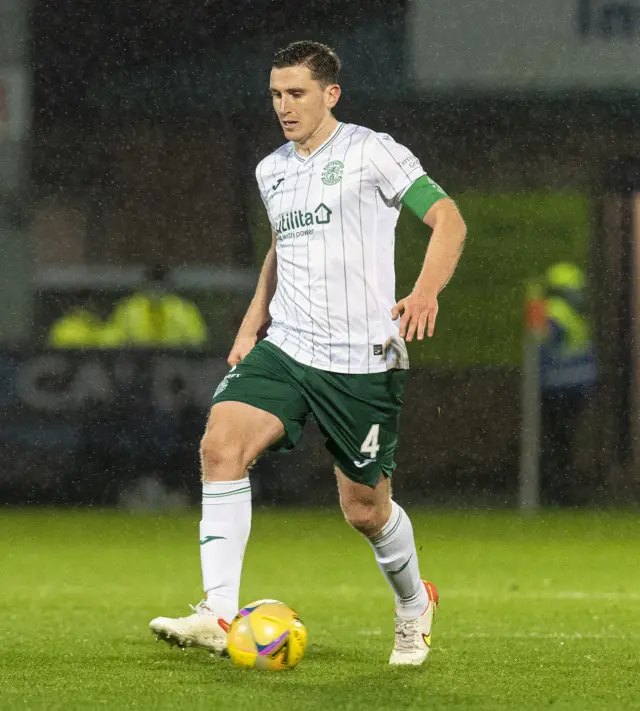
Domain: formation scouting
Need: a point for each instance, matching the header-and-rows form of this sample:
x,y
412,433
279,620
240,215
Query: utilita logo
x,y
609,19
296,219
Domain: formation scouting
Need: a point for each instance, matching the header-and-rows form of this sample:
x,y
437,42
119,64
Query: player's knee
x,y
222,458
365,518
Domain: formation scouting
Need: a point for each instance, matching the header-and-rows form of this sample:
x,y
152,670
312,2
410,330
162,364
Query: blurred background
x,y
131,234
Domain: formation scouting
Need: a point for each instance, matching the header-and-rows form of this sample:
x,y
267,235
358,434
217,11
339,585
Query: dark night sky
x,y
79,42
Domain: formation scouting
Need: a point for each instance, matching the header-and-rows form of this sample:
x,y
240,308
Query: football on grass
x,y
267,634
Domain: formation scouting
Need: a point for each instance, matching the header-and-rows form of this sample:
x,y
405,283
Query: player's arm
x,y
400,179
419,310
256,320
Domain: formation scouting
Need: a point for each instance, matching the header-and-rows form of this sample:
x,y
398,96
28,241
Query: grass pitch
x,y
535,613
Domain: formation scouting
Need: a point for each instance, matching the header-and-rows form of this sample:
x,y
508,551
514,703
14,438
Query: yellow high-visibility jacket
x,y
162,320
82,328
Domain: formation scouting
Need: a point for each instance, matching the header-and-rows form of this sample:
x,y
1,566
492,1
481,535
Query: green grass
x,y
535,613
512,237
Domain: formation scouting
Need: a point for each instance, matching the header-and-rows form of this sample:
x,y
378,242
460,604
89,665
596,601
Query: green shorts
x,y
358,414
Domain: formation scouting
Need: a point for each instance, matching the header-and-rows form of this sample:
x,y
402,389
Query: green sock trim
x,y
227,493
383,537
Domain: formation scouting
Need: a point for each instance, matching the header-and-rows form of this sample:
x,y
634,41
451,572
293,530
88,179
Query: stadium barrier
x,y
82,426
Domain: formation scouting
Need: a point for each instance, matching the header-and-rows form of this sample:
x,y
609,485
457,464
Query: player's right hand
x,y
240,349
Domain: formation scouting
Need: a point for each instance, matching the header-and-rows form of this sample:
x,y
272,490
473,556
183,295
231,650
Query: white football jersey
x,y
334,214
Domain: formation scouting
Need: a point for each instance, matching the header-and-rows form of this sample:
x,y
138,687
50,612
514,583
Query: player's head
x,y
304,87
156,278
568,282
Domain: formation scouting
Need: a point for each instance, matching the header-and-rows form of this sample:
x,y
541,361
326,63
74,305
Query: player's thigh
x,y
360,417
275,410
240,431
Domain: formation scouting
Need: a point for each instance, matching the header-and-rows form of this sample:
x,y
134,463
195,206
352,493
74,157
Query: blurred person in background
x,y
568,377
82,327
334,347
153,317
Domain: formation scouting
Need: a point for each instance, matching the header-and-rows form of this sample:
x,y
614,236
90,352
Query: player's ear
x,y
332,94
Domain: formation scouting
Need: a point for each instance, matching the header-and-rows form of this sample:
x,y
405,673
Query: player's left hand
x,y
418,311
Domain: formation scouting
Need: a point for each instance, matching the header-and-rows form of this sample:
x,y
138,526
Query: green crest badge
x,y
332,172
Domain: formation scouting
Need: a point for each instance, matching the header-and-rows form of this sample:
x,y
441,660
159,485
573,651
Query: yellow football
x,y
267,634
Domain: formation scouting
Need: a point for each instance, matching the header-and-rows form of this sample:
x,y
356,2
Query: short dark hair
x,y
320,59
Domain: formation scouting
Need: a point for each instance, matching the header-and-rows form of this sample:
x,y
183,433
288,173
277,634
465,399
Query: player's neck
x,y
317,138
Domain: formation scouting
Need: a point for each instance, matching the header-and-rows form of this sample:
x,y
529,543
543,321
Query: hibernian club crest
x,y
332,172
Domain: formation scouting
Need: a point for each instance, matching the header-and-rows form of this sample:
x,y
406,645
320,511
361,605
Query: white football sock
x,y
396,555
224,532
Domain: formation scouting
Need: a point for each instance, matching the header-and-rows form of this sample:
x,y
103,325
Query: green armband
x,y
421,195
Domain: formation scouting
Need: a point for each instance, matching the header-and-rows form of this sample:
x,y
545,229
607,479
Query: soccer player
x,y
334,345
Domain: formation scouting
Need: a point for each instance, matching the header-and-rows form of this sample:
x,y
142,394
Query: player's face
x,y
300,102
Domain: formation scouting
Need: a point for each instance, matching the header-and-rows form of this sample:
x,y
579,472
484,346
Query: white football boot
x,y
204,628
413,635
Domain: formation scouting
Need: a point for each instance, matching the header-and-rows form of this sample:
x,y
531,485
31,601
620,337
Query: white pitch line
x,y
541,635
520,635
541,595
350,591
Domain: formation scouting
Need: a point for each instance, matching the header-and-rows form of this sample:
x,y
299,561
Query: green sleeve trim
x,y
421,195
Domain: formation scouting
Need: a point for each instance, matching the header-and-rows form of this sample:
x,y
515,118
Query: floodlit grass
x,y
535,613
511,238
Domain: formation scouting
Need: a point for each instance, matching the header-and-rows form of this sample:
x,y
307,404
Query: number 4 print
x,y
370,445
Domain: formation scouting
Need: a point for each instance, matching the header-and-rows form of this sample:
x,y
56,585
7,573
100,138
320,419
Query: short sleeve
x,y
262,189
394,168
261,185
